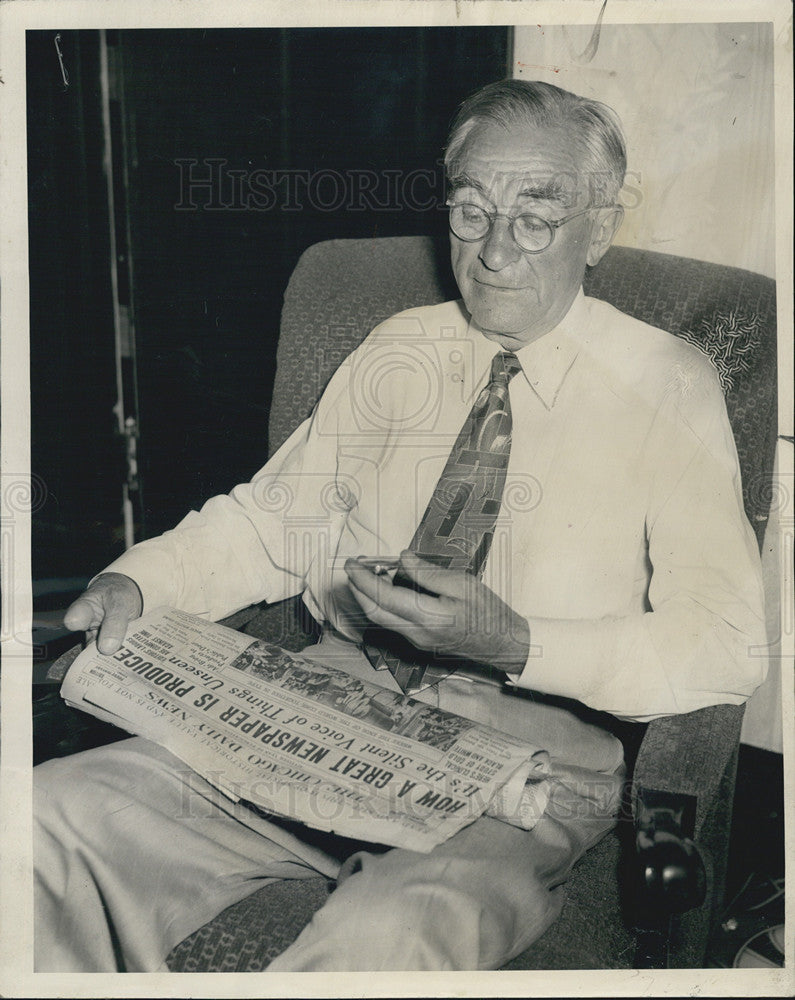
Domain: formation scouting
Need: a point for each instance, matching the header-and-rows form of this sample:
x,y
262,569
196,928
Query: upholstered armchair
x,y
647,895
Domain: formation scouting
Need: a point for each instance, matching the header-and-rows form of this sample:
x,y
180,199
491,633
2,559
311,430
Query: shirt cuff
x,y
566,658
151,571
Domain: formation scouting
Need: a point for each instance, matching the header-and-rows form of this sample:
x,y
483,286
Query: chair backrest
x,y
341,289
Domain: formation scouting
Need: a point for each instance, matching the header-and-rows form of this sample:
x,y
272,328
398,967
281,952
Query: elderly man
x,y
569,506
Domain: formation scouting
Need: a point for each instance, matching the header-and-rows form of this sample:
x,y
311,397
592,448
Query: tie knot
x,y
504,366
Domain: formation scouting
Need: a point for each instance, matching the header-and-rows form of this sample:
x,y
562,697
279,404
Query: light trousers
x,y
134,852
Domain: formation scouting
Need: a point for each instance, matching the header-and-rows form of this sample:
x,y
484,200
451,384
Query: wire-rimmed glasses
x,y
531,233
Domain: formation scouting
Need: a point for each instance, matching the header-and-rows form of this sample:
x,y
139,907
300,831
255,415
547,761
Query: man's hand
x,y
466,619
106,608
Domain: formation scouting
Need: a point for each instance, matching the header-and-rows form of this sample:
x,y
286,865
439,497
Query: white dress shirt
x,y
622,536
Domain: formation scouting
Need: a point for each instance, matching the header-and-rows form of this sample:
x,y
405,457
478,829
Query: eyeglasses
x,y
530,232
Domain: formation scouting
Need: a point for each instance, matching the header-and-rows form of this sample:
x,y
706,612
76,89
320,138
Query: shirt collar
x,y
546,361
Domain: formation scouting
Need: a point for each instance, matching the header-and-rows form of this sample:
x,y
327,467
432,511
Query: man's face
x,y
514,296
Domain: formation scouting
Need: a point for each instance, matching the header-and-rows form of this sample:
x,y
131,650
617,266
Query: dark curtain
x,y
240,149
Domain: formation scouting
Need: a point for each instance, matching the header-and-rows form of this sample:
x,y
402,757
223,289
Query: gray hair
x,y
511,103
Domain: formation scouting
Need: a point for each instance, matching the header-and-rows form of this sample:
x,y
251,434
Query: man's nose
x,y
499,247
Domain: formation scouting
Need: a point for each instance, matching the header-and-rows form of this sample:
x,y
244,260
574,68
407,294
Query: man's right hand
x,y
106,608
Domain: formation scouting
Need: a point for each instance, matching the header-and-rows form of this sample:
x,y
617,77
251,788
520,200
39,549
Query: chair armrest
x,y
287,624
57,670
689,755
682,795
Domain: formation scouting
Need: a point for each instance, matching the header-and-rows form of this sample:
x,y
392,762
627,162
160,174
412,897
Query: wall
x,y
696,101
355,142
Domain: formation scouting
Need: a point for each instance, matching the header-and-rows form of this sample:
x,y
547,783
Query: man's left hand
x,y
461,616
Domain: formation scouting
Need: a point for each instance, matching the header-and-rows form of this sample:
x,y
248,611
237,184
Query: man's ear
x,y
605,228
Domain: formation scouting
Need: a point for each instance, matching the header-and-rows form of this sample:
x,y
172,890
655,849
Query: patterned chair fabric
x,y
341,289
338,292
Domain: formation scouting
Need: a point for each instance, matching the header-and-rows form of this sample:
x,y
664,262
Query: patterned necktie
x,y
457,527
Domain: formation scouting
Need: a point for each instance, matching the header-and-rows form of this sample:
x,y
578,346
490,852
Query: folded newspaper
x,y
304,740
